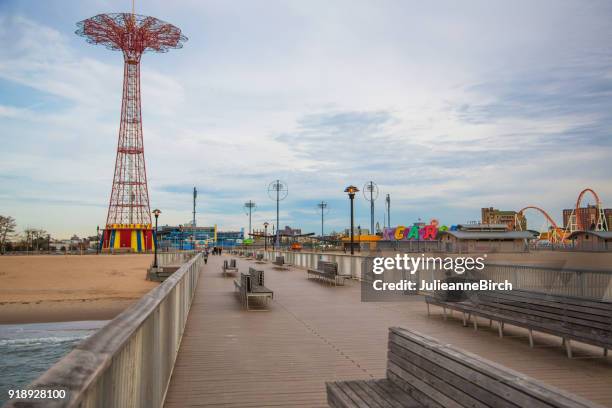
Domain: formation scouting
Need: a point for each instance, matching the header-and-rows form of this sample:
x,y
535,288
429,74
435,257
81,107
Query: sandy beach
x,y
52,288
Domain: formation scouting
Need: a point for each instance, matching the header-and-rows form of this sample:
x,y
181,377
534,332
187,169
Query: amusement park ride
x,y
128,224
555,234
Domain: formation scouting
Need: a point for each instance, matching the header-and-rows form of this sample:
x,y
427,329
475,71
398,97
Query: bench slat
x,y
506,378
369,396
521,320
463,387
357,401
394,395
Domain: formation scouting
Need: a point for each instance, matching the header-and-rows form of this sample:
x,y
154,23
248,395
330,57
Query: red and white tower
x,y
128,224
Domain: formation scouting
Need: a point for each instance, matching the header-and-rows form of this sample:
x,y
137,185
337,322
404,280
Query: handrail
x,y
129,361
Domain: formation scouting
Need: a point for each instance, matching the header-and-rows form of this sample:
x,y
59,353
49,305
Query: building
x,y
356,231
587,217
290,232
591,240
485,238
508,217
186,237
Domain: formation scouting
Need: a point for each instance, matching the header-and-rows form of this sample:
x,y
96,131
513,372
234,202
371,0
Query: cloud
x,y
447,108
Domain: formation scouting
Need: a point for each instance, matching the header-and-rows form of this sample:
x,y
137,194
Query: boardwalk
x,y
315,333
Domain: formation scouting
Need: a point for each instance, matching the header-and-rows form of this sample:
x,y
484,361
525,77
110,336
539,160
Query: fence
x,y
347,265
127,363
174,258
585,283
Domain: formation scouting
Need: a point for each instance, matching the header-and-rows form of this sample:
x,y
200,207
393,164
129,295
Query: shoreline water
x,y
54,311
28,350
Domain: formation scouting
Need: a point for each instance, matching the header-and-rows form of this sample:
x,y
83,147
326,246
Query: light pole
x,y
249,207
351,190
156,213
98,239
277,190
323,206
266,236
388,201
370,192
193,226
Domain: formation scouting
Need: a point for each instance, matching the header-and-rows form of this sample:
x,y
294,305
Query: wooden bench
x,y
259,259
251,285
279,262
328,272
571,318
422,372
229,267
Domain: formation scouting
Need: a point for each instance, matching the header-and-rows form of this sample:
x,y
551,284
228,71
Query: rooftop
x,y
600,234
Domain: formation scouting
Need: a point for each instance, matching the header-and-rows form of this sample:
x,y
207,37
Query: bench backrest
x,y
442,376
232,263
328,267
570,312
245,282
257,276
225,265
259,257
280,260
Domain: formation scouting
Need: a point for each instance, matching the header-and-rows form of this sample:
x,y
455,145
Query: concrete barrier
x,y
127,363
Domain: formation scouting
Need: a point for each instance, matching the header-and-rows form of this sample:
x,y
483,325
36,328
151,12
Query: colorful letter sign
x,y
425,233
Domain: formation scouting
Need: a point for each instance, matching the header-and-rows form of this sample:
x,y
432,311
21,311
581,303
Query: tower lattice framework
x,y
133,34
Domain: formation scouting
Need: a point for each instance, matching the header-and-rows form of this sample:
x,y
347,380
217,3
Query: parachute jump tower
x,y
128,223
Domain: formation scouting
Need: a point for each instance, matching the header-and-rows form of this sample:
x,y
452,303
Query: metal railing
x,y
174,258
584,283
127,363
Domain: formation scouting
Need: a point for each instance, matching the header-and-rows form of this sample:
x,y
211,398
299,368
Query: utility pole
x,y
370,193
323,206
193,224
388,201
277,190
249,206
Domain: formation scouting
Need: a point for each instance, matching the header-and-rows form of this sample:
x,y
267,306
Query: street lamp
x,y
97,240
249,207
156,213
351,190
266,236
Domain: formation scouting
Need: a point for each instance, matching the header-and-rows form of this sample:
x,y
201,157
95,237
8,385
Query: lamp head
x,y
351,190
156,212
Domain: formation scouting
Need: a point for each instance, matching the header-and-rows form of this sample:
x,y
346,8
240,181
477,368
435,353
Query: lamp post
x,y
266,236
156,213
249,206
388,201
323,206
97,240
351,190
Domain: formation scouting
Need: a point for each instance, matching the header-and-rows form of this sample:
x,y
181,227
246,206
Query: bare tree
x,y
29,237
7,228
40,236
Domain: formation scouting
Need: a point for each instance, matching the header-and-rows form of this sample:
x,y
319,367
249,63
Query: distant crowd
x,y
214,251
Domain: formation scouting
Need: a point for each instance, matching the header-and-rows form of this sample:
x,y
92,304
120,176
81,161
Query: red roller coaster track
x,y
544,213
579,226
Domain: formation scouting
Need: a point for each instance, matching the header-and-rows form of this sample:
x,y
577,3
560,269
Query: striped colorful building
x,y
128,238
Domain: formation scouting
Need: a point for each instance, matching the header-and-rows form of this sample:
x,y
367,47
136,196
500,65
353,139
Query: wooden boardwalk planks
x,y
315,333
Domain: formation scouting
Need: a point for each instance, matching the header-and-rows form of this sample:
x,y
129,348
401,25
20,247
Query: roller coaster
x,y
556,234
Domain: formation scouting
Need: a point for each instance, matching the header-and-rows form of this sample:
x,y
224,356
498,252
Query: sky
x,y
448,106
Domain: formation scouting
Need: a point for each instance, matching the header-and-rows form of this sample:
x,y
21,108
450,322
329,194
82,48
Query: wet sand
x,y
53,288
